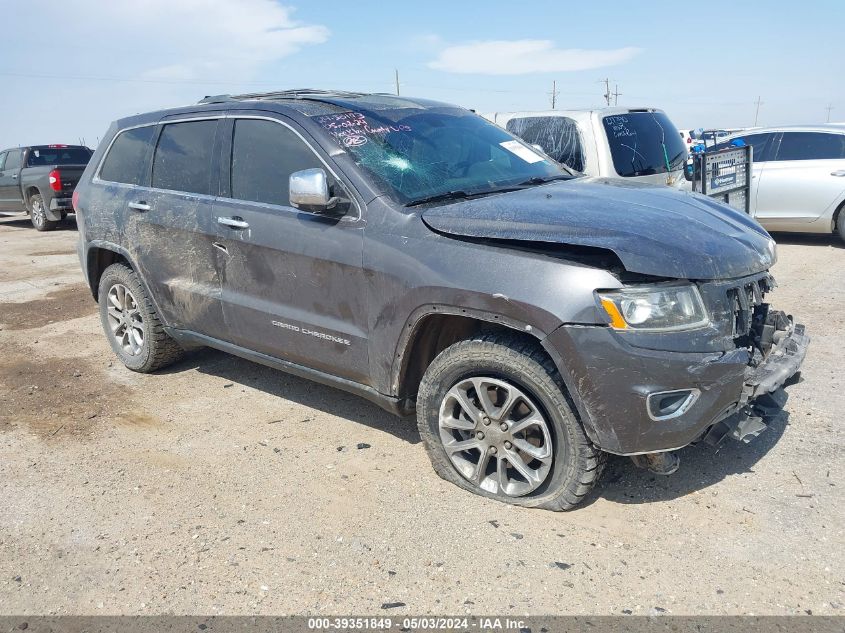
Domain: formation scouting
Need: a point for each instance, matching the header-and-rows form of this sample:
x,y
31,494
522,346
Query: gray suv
x,y
416,254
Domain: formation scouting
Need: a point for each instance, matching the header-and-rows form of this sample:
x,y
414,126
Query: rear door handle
x,y
139,206
235,222
14,176
840,172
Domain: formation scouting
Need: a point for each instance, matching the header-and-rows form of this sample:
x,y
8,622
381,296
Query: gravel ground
x,y
223,487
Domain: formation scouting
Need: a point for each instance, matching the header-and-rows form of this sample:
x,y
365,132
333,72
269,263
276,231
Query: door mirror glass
x,y
309,191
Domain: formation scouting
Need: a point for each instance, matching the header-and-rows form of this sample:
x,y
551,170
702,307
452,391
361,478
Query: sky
x,y
705,63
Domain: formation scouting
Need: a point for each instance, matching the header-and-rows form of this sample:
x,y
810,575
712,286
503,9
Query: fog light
x,y
665,405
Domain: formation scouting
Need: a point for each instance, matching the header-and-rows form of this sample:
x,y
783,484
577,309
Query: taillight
x,y
55,180
74,200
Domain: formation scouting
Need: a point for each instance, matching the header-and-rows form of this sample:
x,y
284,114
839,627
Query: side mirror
x,y
309,191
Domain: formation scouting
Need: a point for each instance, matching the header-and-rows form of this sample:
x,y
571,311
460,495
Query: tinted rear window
x,y
39,156
557,135
811,146
644,143
126,156
183,157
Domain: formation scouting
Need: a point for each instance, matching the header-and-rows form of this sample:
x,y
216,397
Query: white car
x,y
632,143
798,177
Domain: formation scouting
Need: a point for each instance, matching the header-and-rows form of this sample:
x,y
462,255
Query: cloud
x,y
122,57
522,57
201,39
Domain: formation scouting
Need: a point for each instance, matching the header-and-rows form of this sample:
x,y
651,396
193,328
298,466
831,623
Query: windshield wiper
x,y
448,195
540,180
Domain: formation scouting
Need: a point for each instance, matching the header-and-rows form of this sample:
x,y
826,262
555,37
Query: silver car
x,y
798,178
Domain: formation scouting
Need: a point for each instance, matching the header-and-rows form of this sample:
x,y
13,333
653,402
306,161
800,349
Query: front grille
x,y
743,299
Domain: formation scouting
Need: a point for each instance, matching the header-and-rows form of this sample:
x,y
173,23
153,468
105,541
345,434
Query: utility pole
x,y
757,112
616,94
554,94
396,76
607,90
829,108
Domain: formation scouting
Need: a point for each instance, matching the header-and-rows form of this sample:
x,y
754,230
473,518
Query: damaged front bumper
x,y
762,396
738,390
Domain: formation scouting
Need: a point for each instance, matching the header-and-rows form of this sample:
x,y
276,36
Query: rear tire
x,y
840,223
537,454
38,214
131,323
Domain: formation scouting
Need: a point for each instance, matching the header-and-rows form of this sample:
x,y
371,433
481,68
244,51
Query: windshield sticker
x,y
518,149
352,129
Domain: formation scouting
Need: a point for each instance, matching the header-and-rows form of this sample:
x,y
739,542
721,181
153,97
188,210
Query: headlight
x,y
654,308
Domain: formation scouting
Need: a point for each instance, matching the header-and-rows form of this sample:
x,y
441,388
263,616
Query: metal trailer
x,y
725,175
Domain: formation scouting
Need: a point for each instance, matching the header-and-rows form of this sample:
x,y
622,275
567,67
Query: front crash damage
x,y
712,396
780,350
779,347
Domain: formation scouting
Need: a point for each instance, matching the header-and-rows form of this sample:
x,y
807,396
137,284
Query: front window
x,y
644,143
420,153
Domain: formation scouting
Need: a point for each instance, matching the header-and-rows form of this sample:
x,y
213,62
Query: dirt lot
x,y
220,486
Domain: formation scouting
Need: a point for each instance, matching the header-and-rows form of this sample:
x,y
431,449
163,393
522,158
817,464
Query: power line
x,y
606,94
616,94
757,112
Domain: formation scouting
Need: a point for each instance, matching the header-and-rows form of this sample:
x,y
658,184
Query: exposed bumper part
x,y
762,397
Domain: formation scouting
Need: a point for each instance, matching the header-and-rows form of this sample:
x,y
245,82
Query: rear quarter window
x,y
557,135
811,146
124,162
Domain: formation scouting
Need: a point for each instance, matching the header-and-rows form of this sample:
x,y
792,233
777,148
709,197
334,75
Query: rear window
x,y
644,143
811,146
126,156
557,135
183,157
39,156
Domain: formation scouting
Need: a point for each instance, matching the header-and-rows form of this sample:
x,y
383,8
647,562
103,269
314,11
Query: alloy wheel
x,y
495,436
125,321
38,215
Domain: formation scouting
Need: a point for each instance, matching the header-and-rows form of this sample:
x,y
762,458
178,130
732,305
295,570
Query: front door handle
x,y
139,206
840,172
235,222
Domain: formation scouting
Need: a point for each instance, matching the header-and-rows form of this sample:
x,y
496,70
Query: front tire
x,y
840,223
495,421
38,214
131,323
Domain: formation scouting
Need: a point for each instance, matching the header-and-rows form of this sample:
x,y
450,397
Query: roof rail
x,y
298,93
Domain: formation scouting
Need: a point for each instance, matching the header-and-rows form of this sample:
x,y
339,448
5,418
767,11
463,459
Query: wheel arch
x,y
28,192
100,255
433,328
837,215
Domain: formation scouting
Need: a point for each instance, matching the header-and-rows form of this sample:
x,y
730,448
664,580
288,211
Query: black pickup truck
x,y
39,180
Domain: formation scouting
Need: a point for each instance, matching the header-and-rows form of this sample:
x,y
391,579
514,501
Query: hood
x,y
652,230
